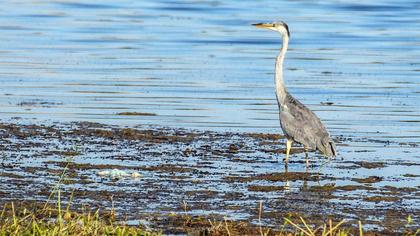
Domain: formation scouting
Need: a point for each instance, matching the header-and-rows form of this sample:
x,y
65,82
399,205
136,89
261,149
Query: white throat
x,y
280,87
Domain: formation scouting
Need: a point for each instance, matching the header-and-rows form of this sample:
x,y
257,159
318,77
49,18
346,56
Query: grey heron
x,y
299,124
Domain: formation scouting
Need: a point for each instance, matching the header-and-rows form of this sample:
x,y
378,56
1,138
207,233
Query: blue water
x,y
200,64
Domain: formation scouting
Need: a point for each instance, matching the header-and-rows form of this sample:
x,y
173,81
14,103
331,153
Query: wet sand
x,y
202,174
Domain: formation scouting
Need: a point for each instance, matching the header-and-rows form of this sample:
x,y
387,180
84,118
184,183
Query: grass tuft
x,y
53,220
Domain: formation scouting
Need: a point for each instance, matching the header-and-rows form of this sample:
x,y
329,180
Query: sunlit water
x,y
201,65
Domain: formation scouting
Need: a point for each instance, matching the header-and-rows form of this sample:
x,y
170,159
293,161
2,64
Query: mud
x,y
370,179
189,177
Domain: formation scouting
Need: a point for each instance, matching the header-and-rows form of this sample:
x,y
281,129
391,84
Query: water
x,y
201,65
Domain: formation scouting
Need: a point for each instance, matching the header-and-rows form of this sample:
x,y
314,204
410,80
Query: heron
x,y
299,123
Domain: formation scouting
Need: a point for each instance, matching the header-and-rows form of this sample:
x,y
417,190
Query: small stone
x,y
103,173
135,175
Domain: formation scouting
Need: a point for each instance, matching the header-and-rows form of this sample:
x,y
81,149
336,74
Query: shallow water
x,y
207,174
200,65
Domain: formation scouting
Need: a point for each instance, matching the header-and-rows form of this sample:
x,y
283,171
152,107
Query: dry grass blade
x,y
57,186
259,218
227,227
332,229
297,227
306,226
330,224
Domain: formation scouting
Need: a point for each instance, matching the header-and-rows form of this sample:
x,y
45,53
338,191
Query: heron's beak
x,y
263,25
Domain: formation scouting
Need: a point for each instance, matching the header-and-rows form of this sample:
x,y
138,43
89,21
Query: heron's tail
x,y
333,148
328,148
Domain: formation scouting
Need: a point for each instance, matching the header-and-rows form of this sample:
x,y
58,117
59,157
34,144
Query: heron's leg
x,y
307,156
286,183
305,180
288,147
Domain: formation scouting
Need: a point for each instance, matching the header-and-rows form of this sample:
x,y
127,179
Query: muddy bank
x,y
205,174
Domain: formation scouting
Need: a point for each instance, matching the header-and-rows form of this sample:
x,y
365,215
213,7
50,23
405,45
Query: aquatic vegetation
x,y
170,159
56,219
53,218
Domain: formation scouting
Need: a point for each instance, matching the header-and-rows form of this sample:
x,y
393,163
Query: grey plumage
x,y
302,125
299,124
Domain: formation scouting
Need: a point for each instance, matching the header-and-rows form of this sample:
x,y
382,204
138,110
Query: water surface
x,y
200,64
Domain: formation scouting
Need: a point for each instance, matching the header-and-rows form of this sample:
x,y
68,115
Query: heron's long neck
x,y
280,87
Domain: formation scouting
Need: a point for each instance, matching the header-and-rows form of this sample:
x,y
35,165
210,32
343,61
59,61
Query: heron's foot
x,y
286,164
287,186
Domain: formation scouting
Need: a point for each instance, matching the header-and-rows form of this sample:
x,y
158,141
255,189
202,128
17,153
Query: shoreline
x,y
209,172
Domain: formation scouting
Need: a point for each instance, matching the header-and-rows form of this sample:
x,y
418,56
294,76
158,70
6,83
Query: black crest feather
x,y
287,28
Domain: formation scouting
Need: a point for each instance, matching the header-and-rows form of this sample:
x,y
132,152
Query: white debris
x,y
135,175
103,173
118,174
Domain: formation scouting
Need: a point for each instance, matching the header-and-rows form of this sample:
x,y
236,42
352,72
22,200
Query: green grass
x,y
57,221
54,219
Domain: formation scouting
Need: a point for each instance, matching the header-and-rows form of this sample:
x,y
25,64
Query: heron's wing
x,y
301,124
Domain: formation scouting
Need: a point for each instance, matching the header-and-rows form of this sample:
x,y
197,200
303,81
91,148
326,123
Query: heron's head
x,y
278,26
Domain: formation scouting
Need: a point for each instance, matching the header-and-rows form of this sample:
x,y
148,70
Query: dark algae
x,y
203,174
